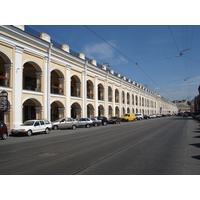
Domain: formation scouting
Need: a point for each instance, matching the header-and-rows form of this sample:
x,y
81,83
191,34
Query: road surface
x,y
163,146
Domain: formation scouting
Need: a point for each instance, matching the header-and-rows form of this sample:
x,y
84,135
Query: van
x,y
128,117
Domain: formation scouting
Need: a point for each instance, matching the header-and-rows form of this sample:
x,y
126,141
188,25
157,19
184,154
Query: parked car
x,y
104,120
147,117
158,115
197,117
3,130
33,126
114,120
139,116
84,122
96,122
152,116
64,123
128,117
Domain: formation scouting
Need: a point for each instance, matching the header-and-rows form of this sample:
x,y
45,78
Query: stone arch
x,y
57,110
128,97
101,110
100,92
5,69
75,110
110,94
90,89
123,97
57,82
32,109
90,110
117,111
32,75
75,86
116,96
123,111
110,111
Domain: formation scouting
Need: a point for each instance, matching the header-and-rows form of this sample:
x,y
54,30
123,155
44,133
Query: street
x,y
163,146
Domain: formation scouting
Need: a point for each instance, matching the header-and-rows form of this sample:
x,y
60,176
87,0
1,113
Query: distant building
x,y
197,102
183,106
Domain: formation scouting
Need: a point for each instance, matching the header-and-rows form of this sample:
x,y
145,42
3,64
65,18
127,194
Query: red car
x,y
3,131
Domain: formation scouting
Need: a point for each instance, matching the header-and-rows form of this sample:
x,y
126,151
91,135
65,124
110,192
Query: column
x,y
96,95
68,91
84,94
113,99
17,92
45,90
120,100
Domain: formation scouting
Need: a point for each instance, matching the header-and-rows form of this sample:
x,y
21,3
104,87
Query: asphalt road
x,y
163,146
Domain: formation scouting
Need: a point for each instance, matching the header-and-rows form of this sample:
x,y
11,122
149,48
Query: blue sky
x,y
155,49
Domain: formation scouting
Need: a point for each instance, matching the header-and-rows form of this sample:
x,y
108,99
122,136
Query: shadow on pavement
x,y
197,136
196,145
196,157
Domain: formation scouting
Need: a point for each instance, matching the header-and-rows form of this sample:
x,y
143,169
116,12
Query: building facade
x,y
45,79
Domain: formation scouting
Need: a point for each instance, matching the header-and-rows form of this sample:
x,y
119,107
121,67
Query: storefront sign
x,y
3,101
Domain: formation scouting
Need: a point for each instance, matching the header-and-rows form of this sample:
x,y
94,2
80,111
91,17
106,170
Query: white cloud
x,y
100,51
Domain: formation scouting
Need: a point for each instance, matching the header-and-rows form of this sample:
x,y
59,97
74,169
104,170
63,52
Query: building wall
x,y
49,82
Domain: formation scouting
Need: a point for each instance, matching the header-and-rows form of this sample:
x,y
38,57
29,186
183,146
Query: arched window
x,y
90,90
32,75
109,94
100,92
57,82
128,98
75,86
123,97
116,96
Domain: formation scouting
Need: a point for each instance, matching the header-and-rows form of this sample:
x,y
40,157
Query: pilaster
x,y
17,92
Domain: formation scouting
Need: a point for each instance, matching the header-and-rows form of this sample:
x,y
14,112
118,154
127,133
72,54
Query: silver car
x,y
96,122
84,122
64,123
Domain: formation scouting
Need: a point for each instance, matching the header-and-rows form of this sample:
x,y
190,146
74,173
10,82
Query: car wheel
x,y
29,133
4,136
95,124
104,123
74,127
46,131
55,127
87,126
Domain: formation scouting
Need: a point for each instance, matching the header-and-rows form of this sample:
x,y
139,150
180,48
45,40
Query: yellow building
x,y
47,80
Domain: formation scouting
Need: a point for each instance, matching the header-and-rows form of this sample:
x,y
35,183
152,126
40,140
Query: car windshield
x,y
28,123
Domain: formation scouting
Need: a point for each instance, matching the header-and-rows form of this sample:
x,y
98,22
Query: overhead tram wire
x,y
173,39
124,56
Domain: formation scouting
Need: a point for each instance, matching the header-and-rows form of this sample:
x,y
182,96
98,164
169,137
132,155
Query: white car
x,y
33,126
139,116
